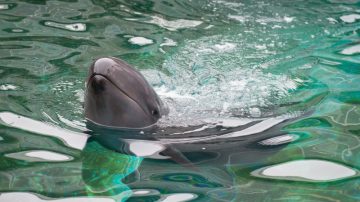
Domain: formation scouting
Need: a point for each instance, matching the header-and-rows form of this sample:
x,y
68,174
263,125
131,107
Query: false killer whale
x,y
122,109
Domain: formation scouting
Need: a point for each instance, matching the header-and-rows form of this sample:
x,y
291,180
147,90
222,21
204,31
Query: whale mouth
x,y
96,81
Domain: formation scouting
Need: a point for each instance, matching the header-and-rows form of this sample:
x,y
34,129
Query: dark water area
x,y
264,100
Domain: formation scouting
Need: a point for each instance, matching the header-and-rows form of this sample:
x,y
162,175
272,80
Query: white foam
x,y
237,18
72,139
79,94
74,124
206,79
168,42
229,122
288,19
265,20
306,170
276,27
141,41
171,25
350,18
260,47
255,112
7,87
224,47
165,92
351,50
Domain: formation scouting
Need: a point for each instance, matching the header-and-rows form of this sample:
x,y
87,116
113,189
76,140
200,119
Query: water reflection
x,y
72,139
169,25
22,196
350,18
351,50
178,156
76,27
179,197
308,170
7,87
39,156
4,6
259,58
278,140
191,153
216,140
141,41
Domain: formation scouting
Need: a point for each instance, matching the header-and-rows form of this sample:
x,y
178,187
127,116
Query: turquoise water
x,y
263,95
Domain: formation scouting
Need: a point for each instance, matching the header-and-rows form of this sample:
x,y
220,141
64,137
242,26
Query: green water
x,y
242,60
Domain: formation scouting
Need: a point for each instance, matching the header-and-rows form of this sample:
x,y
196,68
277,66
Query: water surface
x,y
263,95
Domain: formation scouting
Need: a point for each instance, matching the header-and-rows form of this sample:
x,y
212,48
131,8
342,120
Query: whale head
x,y
117,95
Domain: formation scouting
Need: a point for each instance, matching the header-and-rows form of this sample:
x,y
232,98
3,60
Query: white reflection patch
x,y
75,27
141,192
179,197
74,124
27,197
350,18
257,128
4,6
145,192
141,41
171,25
278,140
351,50
306,170
39,156
254,129
7,87
237,18
145,148
72,139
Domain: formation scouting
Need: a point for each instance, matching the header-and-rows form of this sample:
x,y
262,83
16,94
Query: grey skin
x,y
118,96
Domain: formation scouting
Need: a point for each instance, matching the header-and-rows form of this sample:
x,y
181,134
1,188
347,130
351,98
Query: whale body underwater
x,y
117,95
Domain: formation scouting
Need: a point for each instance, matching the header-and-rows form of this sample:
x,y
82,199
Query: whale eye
x,y
155,112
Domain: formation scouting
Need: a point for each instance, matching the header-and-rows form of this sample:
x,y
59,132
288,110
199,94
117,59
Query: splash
x,y
209,78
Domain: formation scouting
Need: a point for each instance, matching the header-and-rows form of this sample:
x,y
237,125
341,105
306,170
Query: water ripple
x,y
73,139
62,41
168,24
228,71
